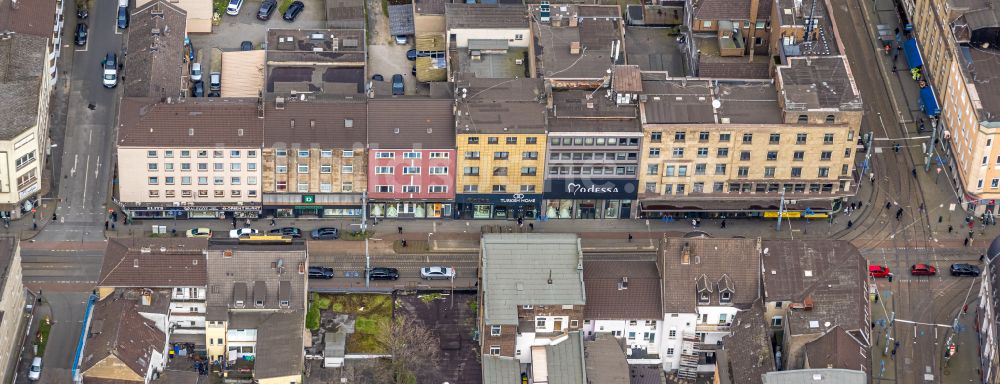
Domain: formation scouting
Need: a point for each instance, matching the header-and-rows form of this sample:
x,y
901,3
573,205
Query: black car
x,y
964,270
267,8
198,89
122,17
411,54
320,273
246,46
397,85
287,231
383,274
293,11
325,234
82,13
80,37
377,77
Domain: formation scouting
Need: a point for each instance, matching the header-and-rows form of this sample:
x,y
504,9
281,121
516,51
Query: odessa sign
x,y
591,189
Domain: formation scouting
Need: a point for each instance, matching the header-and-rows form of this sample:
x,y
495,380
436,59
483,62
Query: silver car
x,y
437,273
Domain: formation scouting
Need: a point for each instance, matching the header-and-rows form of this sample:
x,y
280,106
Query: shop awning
x,y
912,52
929,101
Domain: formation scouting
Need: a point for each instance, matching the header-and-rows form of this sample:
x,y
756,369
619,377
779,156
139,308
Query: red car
x,y
923,270
878,271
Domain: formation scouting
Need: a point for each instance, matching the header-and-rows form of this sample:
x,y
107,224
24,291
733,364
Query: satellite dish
x,y
716,103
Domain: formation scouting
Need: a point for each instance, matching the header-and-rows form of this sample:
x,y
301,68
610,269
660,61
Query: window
x,y
349,153
651,187
702,152
169,180
217,154
251,154
847,152
797,156
151,154
347,169
186,153
281,153
411,155
725,297
670,351
653,169
150,167
775,138
720,169
473,140
776,322
202,167
743,171
531,140
235,167
668,189
825,155
722,152
725,137
699,169
153,180
830,119
654,152
769,171
823,172
528,171
494,330
511,140
718,186
281,185
303,153
703,137
772,155
528,306
803,119
656,137
303,168
281,168
326,153
828,138
439,155
219,167
185,180
347,186
411,170
437,189
471,171
501,155
499,188
470,188
492,140
29,157
325,187
682,170
668,170
385,155
234,153
532,155
995,183
438,170
800,138
251,180
678,152
539,322
631,335
218,180
473,155
202,180
796,171
325,168
747,138
154,193
745,155
383,188
411,189
495,350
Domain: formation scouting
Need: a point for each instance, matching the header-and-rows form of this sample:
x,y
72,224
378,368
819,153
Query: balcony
x,y
725,327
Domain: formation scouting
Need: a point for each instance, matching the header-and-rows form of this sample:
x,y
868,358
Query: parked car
x,y
80,37
411,54
437,273
198,89
401,39
199,232
122,14
287,231
234,7
109,70
963,269
320,273
923,270
246,46
878,271
82,13
377,77
214,94
214,82
379,273
196,72
293,11
397,85
35,372
325,234
237,233
267,8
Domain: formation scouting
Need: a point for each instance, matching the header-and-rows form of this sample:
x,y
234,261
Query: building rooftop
x,y
711,63
837,349
622,290
794,14
571,47
117,329
679,101
411,123
349,14
156,51
830,275
529,269
252,274
500,370
488,105
279,345
626,78
729,10
709,266
401,19
36,18
985,67
816,376
154,263
605,360
314,40
494,65
818,83
748,347
562,362
591,111
486,16
315,123
429,7
222,122
22,59
330,61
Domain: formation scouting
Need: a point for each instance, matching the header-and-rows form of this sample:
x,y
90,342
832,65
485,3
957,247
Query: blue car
x,y
397,85
122,15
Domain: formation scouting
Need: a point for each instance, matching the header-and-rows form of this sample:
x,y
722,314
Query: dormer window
x,y
259,303
239,303
704,298
725,297
726,289
704,290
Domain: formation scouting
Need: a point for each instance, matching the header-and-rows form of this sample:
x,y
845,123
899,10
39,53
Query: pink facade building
x,y
411,158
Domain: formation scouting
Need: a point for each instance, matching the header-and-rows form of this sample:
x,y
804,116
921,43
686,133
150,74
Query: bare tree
x,y
413,349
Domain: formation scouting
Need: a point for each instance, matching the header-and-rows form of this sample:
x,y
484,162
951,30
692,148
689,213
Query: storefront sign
x,y
591,189
309,199
518,198
29,191
515,198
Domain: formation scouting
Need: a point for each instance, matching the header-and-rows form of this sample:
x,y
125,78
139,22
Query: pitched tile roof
x,y
203,121
606,301
279,341
708,260
252,271
401,19
117,329
486,16
34,17
748,347
22,59
411,123
837,349
316,124
155,51
605,360
154,262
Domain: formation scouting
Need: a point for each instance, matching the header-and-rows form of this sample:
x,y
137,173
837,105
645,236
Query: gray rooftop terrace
x,y
313,40
494,65
529,269
818,83
594,37
22,58
682,101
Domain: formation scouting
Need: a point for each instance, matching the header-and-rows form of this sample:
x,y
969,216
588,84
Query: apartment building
x,y
578,44
315,161
155,39
31,43
954,45
706,284
623,301
256,311
122,344
411,158
531,305
195,158
171,272
987,314
500,143
12,306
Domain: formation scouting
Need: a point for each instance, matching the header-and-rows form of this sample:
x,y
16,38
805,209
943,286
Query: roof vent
x,y
348,123
430,130
590,105
163,249
135,263
145,250
291,123
316,36
194,261
239,132
190,131
279,103
154,31
623,284
395,130
312,123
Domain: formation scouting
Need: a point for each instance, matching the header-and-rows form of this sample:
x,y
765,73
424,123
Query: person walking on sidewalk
x,y
272,222
723,223
234,222
531,227
950,228
400,230
630,237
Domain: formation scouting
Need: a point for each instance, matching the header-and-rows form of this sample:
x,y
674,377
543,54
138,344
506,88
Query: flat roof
x,y
594,37
591,111
986,65
818,83
243,73
486,16
22,59
487,105
679,101
711,63
315,40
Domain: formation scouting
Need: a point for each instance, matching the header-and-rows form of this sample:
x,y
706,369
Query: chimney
x,y
279,103
574,48
227,253
686,254
573,21
147,299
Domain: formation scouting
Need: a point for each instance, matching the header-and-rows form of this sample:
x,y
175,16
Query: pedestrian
x,y
53,216
888,205
894,68
853,205
34,226
694,223
921,207
697,223
272,222
723,223
950,228
859,205
630,237
400,230
404,243
850,223
966,242
112,226
531,227
106,225
871,177
234,222
248,222
914,173
520,222
982,257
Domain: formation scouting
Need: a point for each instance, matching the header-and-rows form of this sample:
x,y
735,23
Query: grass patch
x,y
42,337
474,306
368,311
322,302
428,298
219,6
284,5
385,8
357,235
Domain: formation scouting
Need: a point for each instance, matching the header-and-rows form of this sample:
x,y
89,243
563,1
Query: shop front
x,y
498,206
590,198
410,209
191,211
315,205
